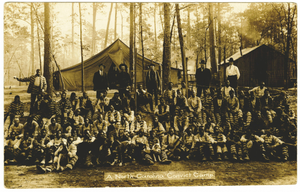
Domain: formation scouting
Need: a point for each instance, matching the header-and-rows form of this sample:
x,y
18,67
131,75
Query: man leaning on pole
x,y
37,85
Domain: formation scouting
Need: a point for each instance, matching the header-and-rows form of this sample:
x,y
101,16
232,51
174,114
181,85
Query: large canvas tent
x,y
260,63
112,56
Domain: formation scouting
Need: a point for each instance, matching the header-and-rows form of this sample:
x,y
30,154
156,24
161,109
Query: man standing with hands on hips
x,y
100,81
203,77
232,74
37,85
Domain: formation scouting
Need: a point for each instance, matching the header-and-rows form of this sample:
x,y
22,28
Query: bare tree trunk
x,y
48,69
212,41
131,37
82,64
219,34
38,36
32,38
172,28
155,36
94,29
116,17
182,47
167,47
142,42
161,19
73,54
107,28
287,50
188,29
205,45
51,25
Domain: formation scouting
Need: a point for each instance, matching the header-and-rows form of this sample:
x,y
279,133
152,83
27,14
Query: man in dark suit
x,y
100,81
203,77
153,83
124,80
37,85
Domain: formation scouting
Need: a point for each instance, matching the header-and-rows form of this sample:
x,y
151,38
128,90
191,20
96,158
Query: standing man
x,y
100,81
37,85
124,79
203,77
153,83
232,74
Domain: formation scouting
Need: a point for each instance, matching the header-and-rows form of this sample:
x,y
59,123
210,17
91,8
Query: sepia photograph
x,y
149,94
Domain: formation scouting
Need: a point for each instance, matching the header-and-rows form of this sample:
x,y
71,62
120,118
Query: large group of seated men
x,y
219,125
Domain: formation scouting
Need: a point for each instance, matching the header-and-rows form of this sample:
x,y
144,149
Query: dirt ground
x,y
226,173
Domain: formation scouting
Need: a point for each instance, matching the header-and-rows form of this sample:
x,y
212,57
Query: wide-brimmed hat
x,y
101,64
151,64
123,64
231,59
203,62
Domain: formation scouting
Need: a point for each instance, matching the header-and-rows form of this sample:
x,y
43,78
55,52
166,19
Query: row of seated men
x,y
117,145
220,106
181,114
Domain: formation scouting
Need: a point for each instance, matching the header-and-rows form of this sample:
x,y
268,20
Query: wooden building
x,y
260,63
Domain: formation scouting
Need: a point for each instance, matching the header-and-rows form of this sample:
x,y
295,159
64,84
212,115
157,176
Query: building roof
x,y
238,55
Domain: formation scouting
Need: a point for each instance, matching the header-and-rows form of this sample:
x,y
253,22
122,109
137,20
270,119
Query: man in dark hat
x,y
153,83
232,74
100,81
203,77
124,79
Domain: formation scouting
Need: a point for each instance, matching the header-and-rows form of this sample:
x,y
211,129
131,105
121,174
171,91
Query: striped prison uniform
x,y
220,110
235,144
233,110
100,126
219,142
168,144
248,144
203,141
208,109
274,145
137,125
39,147
113,116
181,123
187,144
25,149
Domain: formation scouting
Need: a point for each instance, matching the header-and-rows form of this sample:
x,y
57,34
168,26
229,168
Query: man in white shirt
x,y
232,74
